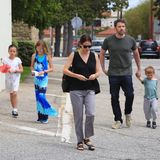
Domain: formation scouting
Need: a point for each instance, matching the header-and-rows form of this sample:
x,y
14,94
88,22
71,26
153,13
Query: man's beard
x,y
121,32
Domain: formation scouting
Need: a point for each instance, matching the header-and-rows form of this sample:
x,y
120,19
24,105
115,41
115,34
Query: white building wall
x,y
5,33
109,21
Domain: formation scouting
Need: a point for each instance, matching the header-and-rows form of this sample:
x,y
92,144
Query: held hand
x,y
92,77
81,77
138,74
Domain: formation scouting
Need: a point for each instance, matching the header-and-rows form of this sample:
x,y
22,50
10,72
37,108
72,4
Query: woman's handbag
x,y
66,81
96,86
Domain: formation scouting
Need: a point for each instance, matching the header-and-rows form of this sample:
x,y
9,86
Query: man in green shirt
x,y
120,47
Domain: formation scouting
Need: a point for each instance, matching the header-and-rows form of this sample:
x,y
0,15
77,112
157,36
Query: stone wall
x,y
22,31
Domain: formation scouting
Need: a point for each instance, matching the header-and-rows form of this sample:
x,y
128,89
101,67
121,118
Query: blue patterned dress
x,y
44,109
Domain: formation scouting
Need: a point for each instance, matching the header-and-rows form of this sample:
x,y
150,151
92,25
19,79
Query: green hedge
x,y
26,72
25,51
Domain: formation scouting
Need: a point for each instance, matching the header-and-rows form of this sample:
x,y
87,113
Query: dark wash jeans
x,y
124,82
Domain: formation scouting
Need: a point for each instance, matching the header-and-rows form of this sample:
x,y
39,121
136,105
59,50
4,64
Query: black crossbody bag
x,y
66,82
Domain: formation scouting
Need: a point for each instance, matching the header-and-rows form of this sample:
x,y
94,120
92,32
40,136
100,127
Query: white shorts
x,y
12,86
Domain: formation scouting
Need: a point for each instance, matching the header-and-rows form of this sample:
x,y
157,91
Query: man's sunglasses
x,y
87,46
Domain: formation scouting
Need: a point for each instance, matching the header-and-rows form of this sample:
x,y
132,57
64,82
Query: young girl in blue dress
x,y
41,65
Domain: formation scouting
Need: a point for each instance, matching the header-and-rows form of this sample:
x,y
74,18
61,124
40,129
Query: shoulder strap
x,y
74,55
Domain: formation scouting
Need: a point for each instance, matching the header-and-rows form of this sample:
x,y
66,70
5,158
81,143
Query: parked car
x,y
107,55
137,42
148,49
96,46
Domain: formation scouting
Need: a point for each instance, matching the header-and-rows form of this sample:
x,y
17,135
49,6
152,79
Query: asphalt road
x,y
24,139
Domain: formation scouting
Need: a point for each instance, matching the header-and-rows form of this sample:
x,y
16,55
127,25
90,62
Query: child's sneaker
x,y
14,113
44,121
148,124
154,125
116,125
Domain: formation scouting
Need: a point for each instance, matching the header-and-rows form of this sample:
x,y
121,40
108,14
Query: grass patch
x,y
26,72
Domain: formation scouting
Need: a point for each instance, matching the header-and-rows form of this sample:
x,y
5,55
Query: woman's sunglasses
x,y
87,46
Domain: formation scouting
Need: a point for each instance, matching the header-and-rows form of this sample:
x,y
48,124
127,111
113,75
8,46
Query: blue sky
x,y
133,3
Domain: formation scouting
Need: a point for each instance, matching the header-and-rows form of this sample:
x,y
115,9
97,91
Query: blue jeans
x,y
124,82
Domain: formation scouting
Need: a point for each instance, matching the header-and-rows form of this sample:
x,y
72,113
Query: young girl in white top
x,y
13,76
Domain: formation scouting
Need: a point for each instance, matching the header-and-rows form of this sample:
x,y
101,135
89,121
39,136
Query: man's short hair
x,y
119,20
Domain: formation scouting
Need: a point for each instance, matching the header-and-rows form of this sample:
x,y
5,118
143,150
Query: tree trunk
x,y
65,40
57,40
51,38
118,14
70,38
40,34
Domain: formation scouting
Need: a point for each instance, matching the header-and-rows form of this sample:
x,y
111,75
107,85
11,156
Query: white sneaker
x,y
128,120
117,125
14,113
44,121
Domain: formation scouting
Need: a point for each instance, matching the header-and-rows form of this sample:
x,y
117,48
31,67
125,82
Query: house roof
x,y
106,32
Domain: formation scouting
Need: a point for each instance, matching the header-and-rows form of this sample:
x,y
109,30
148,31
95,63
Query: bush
x,y
15,42
25,51
26,72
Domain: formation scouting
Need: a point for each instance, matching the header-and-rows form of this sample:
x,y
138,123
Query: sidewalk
x,y
27,104
24,139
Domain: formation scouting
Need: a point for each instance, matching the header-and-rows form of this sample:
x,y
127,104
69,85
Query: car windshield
x,y
148,44
97,43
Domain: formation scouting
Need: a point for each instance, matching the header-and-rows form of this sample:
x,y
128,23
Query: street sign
x,y
76,22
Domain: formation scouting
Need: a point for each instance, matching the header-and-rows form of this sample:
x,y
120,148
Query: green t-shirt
x,y
120,54
150,88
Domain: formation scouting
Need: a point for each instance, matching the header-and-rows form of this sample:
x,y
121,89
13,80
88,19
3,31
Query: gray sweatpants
x,y
150,108
79,100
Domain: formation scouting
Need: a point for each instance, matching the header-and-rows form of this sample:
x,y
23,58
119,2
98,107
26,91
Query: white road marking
x,y
29,129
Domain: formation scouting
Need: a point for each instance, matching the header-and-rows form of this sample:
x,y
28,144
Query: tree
x,y
118,5
87,10
37,13
45,13
138,20
156,8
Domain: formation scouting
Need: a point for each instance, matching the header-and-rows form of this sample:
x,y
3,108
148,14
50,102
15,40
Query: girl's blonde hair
x,y
149,69
45,48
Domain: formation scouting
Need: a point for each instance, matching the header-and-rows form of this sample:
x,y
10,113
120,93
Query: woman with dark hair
x,y
85,69
41,65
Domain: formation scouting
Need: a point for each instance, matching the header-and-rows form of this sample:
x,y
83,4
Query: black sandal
x,y
88,143
80,146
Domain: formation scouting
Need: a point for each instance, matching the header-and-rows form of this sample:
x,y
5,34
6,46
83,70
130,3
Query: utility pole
x,y
151,20
121,11
122,5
